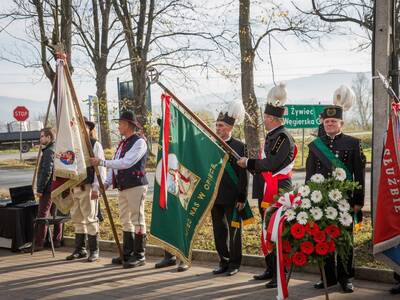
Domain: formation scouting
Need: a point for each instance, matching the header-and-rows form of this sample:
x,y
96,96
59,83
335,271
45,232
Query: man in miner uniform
x,y
127,173
272,172
348,150
85,205
228,240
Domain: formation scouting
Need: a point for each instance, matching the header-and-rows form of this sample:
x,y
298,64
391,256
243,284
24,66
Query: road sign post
x,y
21,114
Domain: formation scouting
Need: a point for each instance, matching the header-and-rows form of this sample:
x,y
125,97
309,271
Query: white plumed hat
x,y
233,111
344,97
277,96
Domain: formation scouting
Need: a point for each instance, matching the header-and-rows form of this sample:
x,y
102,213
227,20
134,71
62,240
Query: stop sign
x,y
21,113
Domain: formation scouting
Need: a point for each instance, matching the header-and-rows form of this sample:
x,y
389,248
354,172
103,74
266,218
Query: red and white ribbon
x,y
274,234
165,102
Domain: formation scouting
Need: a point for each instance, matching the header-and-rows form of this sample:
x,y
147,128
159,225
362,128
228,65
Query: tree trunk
x,y
251,125
101,92
139,92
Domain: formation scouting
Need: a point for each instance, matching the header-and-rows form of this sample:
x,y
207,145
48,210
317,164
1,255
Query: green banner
x,y
303,116
195,167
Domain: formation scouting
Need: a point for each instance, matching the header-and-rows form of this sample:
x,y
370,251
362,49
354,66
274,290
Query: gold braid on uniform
x,y
278,144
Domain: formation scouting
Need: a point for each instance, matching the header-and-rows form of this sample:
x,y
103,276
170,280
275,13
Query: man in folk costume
x,y
272,170
231,194
127,173
336,149
85,205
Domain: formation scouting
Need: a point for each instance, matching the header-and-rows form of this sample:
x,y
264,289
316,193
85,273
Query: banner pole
x,y
223,144
91,154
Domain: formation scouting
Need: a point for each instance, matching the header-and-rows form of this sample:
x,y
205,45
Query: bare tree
x,y
48,28
98,38
363,106
169,35
276,20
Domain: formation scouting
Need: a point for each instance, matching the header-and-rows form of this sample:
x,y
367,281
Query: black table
x,y
16,223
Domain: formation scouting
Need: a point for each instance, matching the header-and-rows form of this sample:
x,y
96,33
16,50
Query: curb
x,y
363,273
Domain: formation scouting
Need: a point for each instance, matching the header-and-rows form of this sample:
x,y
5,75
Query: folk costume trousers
x,y
131,209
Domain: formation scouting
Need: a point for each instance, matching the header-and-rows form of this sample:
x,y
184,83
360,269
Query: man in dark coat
x,y
232,193
43,189
274,167
346,151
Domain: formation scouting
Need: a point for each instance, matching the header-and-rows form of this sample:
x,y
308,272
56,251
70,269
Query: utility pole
x,y
381,59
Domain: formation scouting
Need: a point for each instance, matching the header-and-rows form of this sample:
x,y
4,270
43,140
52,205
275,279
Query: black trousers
x,y
228,240
336,271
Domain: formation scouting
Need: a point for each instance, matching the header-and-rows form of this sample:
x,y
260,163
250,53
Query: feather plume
x,y
277,96
344,97
235,109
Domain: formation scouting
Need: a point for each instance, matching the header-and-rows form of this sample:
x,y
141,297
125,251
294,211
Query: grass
x,y
17,164
250,235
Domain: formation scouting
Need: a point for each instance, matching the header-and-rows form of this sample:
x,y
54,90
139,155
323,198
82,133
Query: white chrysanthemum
x,y
335,195
290,215
316,213
343,205
317,178
331,213
304,190
305,203
302,218
316,196
339,174
345,219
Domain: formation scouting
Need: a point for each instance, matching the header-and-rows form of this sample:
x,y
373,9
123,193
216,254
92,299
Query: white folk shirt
x,y
132,156
99,152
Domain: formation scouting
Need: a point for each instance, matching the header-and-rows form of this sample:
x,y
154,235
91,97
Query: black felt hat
x,y
130,117
223,117
332,111
90,124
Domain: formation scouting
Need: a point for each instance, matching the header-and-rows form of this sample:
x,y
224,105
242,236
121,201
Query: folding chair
x,y
55,219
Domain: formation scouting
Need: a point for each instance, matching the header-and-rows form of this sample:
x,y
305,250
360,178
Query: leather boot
x,y
168,260
93,247
80,250
127,248
138,258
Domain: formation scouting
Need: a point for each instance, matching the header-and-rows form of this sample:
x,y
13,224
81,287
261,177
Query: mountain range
x,y
313,89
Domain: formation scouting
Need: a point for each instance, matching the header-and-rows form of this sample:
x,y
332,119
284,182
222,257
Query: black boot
x,y
168,260
93,247
138,258
268,273
128,245
80,250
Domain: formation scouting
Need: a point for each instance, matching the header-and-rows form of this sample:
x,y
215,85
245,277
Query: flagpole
x,y
45,125
223,144
91,154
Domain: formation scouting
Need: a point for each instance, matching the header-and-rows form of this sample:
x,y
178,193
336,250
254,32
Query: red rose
x,y
312,228
299,259
333,231
307,247
322,248
287,260
332,246
286,247
319,236
297,231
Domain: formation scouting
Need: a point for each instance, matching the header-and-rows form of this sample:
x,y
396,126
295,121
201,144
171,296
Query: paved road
x,y
5,156
16,177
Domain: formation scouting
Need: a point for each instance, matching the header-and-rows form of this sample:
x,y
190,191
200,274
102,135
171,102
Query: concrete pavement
x,y
42,277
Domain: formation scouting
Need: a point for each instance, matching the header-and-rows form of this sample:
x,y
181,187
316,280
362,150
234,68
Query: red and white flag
x,y
387,216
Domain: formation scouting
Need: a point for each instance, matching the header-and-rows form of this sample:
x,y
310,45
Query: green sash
x,y
245,215
327,157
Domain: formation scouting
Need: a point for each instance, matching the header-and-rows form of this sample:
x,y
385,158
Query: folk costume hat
x,y
130,117
343,99
276,99
231,113
90,124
